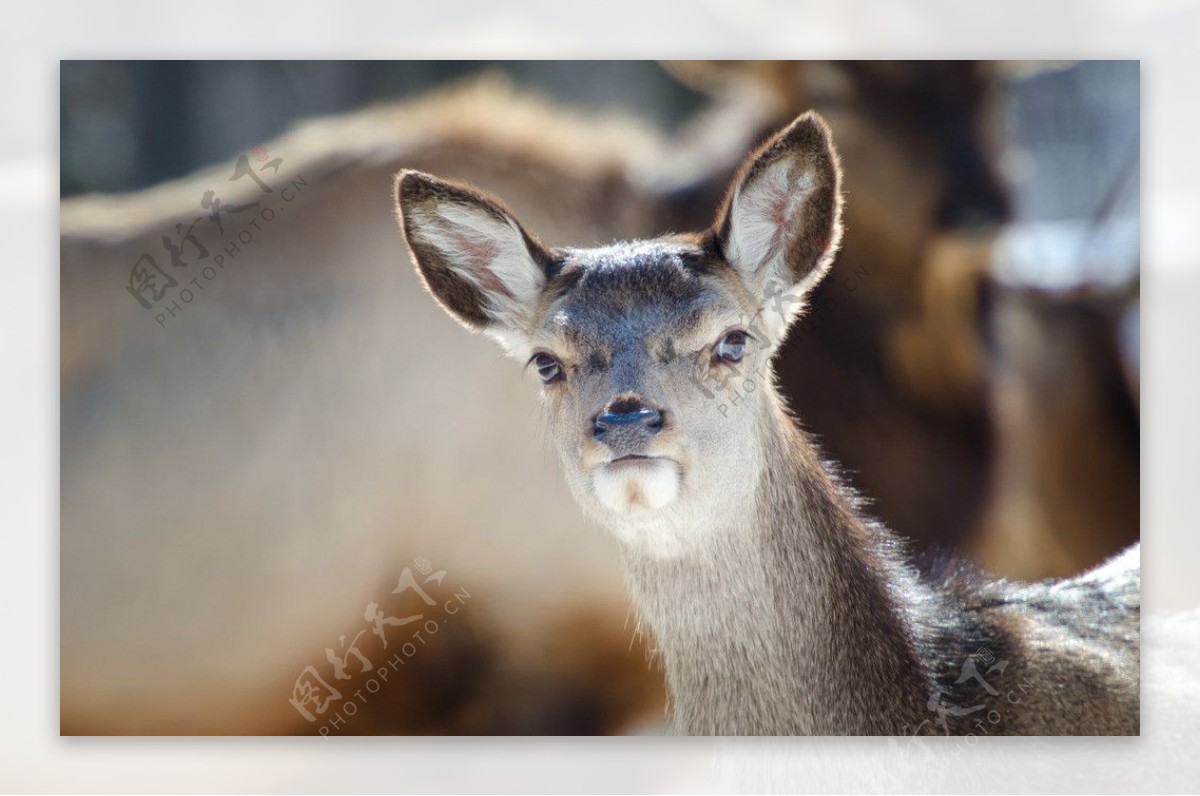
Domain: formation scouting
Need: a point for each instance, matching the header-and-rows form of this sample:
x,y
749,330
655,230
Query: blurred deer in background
x,y
776,606
239,482
1066,489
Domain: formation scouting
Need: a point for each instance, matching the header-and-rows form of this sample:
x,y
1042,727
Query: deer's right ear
x,y
472,255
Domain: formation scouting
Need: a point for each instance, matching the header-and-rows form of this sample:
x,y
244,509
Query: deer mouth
x,y
632,457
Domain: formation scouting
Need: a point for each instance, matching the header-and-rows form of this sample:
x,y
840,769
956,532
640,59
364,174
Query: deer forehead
x,y
638,294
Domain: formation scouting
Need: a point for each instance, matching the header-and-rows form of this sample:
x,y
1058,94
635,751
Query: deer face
x,y
631,342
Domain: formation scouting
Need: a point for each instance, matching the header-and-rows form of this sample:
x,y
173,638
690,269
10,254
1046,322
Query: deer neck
x,y
792,618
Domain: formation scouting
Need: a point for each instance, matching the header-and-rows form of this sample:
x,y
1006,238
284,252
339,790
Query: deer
x,y
775,604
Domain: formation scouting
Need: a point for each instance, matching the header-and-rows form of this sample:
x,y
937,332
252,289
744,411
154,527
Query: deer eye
x,y
547,366
732,346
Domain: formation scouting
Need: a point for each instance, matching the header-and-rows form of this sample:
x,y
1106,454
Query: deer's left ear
x,y
781,222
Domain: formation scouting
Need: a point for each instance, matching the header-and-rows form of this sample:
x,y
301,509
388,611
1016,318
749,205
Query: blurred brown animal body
x,y
238,482
1066,490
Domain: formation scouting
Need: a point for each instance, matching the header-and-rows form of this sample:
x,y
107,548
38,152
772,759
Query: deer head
x,y
630,341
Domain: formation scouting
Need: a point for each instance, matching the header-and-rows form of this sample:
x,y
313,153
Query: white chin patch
x,y
645,484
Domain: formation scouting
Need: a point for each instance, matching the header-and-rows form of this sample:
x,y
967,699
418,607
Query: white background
x,y
1164,34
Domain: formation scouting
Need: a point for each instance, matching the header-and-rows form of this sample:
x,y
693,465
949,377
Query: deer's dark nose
x,y
627,413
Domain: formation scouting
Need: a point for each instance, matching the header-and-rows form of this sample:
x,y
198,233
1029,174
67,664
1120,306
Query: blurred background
x,y
250,469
